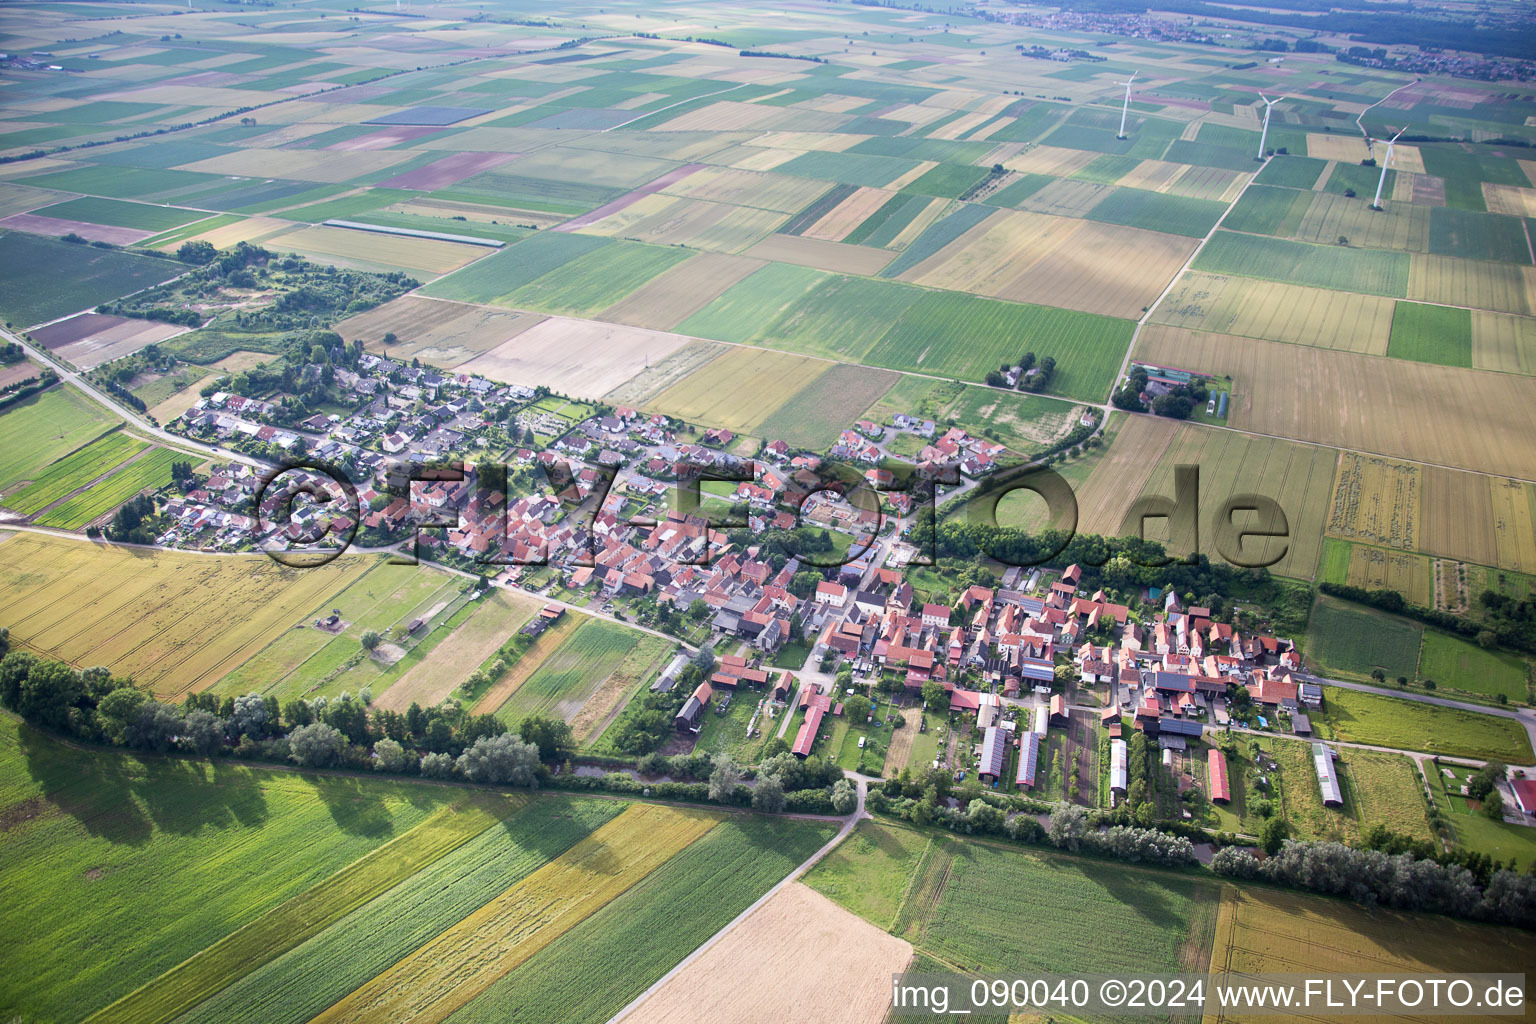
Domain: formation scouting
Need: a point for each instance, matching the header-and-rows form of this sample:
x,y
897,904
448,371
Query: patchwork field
x,y
798,953
173,622
1142,460
828,405
740,389
1278,312
435,331
500,614
46,278
1396,407
587,358
572,673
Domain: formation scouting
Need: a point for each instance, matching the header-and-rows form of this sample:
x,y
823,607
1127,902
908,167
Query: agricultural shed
x,y
693,709
1220,786
1119,767
1042,721
807,734
1029,759
994,751
1327,778
1301,725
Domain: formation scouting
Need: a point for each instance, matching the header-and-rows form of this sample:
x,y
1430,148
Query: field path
x,y
805,865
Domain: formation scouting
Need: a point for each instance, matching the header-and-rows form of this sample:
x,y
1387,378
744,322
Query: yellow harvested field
x,y
1210,183
849,214
747,158
781,193
365,249
799,142
727,116
585,358
1067,197
677,293
436,980
1501,341
1153,175
740,389
1475,518
993,251
179,403
1263,930
1410,410
1050,160
1377,501
436,331
252,229
1509,199
174,622
663,219
1503,287
1106,269
901,181
1298,477
960,125
920,223
1279,312
1407,573
332,166
1514,523
431,681
1345,147
799,956
837,257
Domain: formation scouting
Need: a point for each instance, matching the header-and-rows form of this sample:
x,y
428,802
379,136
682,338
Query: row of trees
x,y
1400,880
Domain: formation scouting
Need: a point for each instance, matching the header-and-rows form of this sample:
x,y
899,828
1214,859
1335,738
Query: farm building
x,y
1042,720
1183,727
1525,795
548,616
994,752
1327,778
807,734
1301,725
1220,786
1029,759
667,678
693,709
1059,710
1119,767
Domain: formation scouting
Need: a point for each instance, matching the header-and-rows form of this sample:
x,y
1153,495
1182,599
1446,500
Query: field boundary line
x,y
730,926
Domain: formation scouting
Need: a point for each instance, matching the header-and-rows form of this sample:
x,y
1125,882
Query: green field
x,y
596,280
935,237
962,902
120,214
815,415
46,278
45,428
841,318
1269,211
497,276
565,679
947,181
1453,662
294,986
748,307
1377,719
948,334
1353,641
887,222
152,470
1292,171
590,973
1469,235
1431,334
1372,271
848,168
1156,211
103,844
75,470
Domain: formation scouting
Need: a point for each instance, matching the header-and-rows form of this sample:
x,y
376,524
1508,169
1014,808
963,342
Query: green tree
x,y
1274,834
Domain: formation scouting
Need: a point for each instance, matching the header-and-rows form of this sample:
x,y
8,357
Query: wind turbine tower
x,y
1126,109
1264,132
1385,163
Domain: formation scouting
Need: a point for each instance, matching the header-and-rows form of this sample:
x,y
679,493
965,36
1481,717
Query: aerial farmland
x,y
607,513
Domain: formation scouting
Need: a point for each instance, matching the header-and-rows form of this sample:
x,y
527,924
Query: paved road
x,y
805,865
139,423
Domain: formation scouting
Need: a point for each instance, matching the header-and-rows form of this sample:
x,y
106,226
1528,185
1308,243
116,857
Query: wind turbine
x,y
1264,132
1127,108
1385,163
